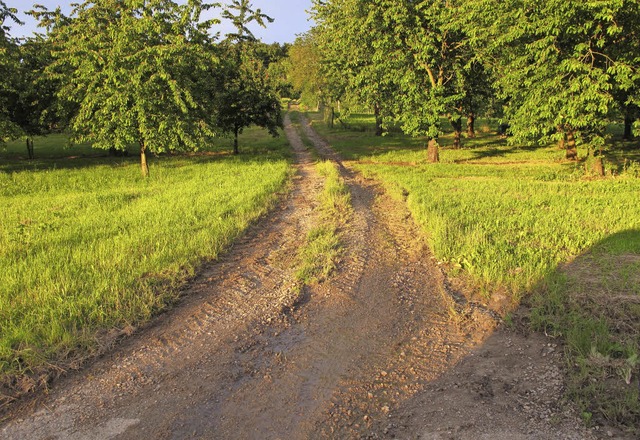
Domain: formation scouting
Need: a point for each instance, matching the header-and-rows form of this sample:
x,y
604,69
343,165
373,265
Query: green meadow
x,y
523,223
88,246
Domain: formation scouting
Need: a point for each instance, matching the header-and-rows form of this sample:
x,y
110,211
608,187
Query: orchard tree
x,y
408,59
136,70
351,37
35,108
438,75
9,74
556,64
305,70
309,74
247,94
626,78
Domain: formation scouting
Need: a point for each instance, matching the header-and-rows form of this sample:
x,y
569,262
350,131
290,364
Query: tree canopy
x,y
409,61
560,69
9,73
136,71
246,94
557,63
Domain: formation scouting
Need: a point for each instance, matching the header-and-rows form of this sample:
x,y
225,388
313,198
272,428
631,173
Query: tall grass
x,y
88,245
522,220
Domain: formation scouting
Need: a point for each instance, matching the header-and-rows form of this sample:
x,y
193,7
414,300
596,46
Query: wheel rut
x,y
251,354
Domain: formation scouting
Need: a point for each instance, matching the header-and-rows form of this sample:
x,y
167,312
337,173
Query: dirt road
x,y
381,350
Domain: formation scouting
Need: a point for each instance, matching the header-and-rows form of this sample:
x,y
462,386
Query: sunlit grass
x,y
524,221
87,245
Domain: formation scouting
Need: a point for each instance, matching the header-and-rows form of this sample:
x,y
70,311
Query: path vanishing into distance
x,y
383,349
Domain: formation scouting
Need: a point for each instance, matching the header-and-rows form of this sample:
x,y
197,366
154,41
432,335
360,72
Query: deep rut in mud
x,y
249,354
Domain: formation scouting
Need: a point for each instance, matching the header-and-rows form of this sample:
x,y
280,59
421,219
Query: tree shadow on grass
x,y
167,160
515,382
593,303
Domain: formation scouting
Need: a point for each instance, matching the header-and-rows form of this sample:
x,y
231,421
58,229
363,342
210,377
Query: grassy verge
x,y
86,245
526,223
321,251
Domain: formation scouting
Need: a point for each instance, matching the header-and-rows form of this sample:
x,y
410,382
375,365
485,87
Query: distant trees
x,y
145,73
357,48
561,68
9,74
309,74
246,94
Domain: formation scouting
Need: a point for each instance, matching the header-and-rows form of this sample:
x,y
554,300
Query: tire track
x,y
251,355
229,302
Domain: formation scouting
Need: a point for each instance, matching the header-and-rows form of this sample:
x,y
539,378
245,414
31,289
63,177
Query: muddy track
x,y
251,354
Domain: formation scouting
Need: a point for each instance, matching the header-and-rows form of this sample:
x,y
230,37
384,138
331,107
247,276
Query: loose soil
x,y
383,349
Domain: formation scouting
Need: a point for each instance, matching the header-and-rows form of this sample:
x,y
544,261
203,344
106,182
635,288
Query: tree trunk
x,y
471,125
456,123
598,166
236,150
433,153
628,125
594,163
376,111
571,150
144,167
30,151
561,142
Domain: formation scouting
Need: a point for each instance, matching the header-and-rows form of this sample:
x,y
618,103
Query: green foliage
x,y
305,70
9,74
241,14
137,71
36,110
86,245
245,94
409,61
560,69
557,62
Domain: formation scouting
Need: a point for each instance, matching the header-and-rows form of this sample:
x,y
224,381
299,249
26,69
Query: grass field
x,y
525,222
87,245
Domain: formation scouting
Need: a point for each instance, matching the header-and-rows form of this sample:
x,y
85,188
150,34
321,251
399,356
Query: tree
x,y
247,97
9,74
625,50
35,108
304,69
247,94
408,59
436,79
350,38
137,72
556,64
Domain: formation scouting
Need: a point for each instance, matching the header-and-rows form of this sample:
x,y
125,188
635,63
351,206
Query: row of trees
x,y
150,73
554,69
